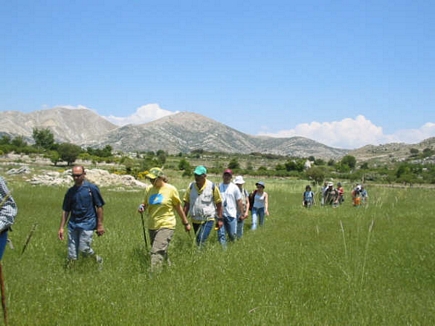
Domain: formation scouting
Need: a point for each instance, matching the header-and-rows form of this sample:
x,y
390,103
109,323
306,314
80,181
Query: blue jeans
x,y
202,231
230,227
257,213
240,226
3,241
79,240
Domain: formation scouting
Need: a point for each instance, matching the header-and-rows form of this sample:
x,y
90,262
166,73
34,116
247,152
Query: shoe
x,y
99,261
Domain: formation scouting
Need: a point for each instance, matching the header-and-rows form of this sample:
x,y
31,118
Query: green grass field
x,y
371,265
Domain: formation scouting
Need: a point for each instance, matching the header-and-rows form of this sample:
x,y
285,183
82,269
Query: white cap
x,y
239,180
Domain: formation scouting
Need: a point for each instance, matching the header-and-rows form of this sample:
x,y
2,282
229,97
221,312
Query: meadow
x,y
371,265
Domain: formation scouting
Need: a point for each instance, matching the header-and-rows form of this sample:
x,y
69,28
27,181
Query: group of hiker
x,y
334,196
205,206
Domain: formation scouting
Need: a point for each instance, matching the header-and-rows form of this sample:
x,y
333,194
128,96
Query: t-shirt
x,y
160,206
230,195
81,202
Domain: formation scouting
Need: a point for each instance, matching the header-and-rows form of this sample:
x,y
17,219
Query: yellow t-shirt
x,y
160,206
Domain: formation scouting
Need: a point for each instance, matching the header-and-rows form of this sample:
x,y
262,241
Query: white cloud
x,y
143,114
353,133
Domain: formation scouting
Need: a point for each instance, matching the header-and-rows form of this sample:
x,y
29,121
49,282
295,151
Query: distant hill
x,y
181,132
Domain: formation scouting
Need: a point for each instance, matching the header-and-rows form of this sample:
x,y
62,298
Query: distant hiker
x,y
331,195
245,206
356,195
83,210
232,207
364,195
260,207
203,204
324,188
340,192
161,202
308,197
8,212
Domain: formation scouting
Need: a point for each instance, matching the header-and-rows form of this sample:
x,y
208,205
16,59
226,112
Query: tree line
x,y
417,169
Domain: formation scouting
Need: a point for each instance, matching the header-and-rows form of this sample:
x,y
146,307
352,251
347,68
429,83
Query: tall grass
x,y
371,265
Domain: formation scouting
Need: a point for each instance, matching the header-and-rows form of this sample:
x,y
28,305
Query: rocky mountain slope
x,y
182,132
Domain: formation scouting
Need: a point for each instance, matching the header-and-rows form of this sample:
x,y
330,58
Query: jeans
x,y
3,241
230,227
240,226
202,231
257,213
79,240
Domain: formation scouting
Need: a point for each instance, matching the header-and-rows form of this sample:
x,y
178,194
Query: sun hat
x,y
154,173
239,180
260,183
228,171
330,184
200,170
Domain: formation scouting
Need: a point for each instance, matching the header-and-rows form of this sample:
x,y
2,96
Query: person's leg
x,y
231,227
221,233
254,219
260,213
85,242
159,247
73,244
3,241
240,226
202,231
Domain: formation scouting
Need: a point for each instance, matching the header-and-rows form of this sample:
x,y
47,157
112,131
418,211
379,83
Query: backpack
x,y
251,199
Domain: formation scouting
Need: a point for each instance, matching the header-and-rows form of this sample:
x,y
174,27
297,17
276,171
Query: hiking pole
x,y
29,237
3,294
144,231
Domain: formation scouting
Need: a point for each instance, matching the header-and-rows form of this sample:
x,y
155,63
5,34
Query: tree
x,y
315,173
234,164
69,152
43,138
349,160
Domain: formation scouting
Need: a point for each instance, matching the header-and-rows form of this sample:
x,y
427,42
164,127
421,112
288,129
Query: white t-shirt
x,y
230,195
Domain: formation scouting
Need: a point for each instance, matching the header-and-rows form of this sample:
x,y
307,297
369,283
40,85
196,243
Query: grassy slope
x,y
307,267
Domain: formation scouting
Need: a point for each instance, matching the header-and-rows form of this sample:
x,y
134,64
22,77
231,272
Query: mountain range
x,y
181,132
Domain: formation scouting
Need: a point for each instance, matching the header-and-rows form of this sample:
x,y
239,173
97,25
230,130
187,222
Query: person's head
x,y
78,174
338,185
200,174
260,185
308,188
239,181
156,176
227,176
330,185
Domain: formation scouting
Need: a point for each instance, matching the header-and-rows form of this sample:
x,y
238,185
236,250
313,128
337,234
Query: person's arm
x,y
266,203
246,212
219,213
240,205
100,218
183,217
63,220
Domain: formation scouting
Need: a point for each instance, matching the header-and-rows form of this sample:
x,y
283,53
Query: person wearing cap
x,y
232,208
356,195
203,205
260,206
243,214
8,212
331,195
161,202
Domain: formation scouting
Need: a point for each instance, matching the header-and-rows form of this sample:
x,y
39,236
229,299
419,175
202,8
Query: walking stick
x,y
29,237
3,294
144,231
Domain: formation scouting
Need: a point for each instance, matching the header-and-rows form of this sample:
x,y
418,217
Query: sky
x,y
344,73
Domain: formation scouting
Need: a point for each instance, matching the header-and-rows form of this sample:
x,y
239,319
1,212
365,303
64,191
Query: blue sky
x,y
344,73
